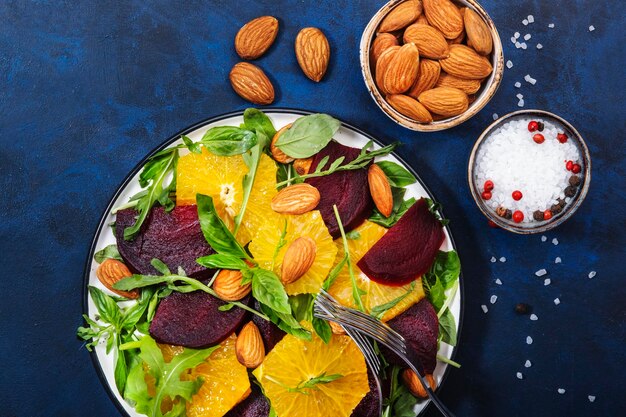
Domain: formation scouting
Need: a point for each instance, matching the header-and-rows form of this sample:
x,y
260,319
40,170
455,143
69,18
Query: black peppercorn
x,y
540,126
561,202
574,180
538,215
556,209
523,308
508,214
570,191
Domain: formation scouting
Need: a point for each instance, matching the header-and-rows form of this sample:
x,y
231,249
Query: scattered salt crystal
x,y
555,241
520,103
560,391
531,18
493,259
493,299
551,25
502,259
498,281
523,45
546,282
592,398
485,309
534,317
518,45
495,116
530,79
527,364
525,22
591,28
541,272
592,274
509,64
527,37
516,35
529,340
518,84
519,375
557,301
543,238
557,260
519,96
539,46
513,39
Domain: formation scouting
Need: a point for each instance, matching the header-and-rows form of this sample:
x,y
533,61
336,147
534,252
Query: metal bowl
x,y
568,210
486,92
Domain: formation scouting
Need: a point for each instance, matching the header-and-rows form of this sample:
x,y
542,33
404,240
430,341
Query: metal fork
x,y
327,308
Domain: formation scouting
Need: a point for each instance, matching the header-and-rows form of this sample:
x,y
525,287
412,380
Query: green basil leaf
x,y
191,145
322,328
308,135
287,323
108,309
302,306
268,290
447,328
220,261
121,371
215,231
434,290
109,252
334,273
255,119
397,175
134,313
447,267
228,140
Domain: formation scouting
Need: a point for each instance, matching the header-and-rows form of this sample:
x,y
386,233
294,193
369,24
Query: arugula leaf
x,y
312,383
191,145
167,377
353,235
356,291
447,328
397,175
308,135
380,310
400,206
215,231
268,290
220,261
228,140
109,252
153,176
255,119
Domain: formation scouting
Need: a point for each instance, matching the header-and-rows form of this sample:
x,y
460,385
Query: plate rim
x,y
213,119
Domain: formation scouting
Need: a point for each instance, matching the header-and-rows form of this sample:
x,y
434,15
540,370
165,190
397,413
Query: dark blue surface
x,y
87,89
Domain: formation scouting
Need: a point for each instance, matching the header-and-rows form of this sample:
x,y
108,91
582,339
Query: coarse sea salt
x,y
529,340
543,238
539,46
502,259
509,64
547,282
495,116
551,25
533,317
513,39
493,259
523,45
528,364
530,79
560,391
555,241
516,35
531,18
485,309
592,274
591,398
519,96
525,22
557,260
557,301
519,375
591,28
541,272
527,37
520,103
498,281
518,45
493,299
518,84
513,161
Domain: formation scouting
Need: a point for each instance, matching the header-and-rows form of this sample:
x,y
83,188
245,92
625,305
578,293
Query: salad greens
x,y
356,291
109,252
308,135
400,402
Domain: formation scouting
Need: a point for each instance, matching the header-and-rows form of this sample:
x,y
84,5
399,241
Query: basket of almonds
x,y
431,64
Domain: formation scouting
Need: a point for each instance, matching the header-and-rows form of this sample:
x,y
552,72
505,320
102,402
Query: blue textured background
x,y
88,88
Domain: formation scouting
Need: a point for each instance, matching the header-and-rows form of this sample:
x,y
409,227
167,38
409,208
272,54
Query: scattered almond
x,y
380,189
336,328
227,285
249,346
427,77
302,166
256,36
410,108
402,69
464,62
312,53
478,34
277,154
296,199
382,64
429,41
467,86
401,16
414,384
251,83
445,16
298,258
445,101
111,271
381,43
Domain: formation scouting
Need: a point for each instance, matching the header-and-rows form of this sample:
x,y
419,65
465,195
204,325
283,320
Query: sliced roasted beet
x,y
270,333
419,325
255,405
349,190
193,320
407,250
369,405
175,238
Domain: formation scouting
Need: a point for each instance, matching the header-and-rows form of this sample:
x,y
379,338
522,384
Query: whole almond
x,y
312,53
458,39
422,20
426,77
256,36
302,166
444,15
429,41
277,154
402,69
478,35
410,108
380,189
296,199
464,62
414,384
336,328
251,83
298,259
401,16
227,285
111,271
445,101
467,86
249,346
382,42
382,64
